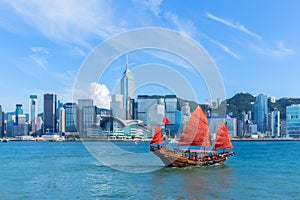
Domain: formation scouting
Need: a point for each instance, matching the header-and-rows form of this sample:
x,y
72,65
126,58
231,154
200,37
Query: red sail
x,y
196,132
157,138
222,138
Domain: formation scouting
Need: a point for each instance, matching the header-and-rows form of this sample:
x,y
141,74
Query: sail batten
x,y
157,138
222,138
196,132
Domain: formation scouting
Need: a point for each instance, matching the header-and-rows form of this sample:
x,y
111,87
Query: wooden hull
x,y
171,159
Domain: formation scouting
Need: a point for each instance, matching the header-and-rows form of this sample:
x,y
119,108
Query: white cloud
x,y
279,51
39,61
69,20
185,27
152,5
38,55
100,94
234,25
221,45
78,51
39,50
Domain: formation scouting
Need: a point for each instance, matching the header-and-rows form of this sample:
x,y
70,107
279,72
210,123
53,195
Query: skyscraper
x,y
172,114
50,120
81,104
1,122
72,116
62,120
33,112
89,114
116,106
293,121
151,109
275,123
19,111
261,113
127,90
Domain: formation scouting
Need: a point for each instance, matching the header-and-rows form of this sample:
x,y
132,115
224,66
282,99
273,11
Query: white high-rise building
x,y
33,112
127,90
62,122
186,113
116,106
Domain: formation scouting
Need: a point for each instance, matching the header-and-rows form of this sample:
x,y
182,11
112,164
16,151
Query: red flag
x,y
165,120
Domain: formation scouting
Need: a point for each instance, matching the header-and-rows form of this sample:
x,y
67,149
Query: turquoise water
x,y
38,170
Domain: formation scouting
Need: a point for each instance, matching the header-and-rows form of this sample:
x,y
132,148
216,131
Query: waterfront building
x,y
85,102
10,124
253,129
171,113
186,114
33,112
50,116
151,109
59,106
261,113
19,111
89,117
293,121
72,117
62,121
103,112
283,129
127,90
214,123
39,126
82,103
1,122
21,128
275,123
117,106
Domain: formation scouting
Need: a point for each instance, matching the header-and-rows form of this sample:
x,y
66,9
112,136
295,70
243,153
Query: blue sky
x,y
255,44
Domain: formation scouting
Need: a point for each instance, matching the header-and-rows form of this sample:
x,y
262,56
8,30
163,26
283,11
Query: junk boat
x,y
196,138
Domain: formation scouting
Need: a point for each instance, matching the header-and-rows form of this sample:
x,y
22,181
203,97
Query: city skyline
x,y
252,48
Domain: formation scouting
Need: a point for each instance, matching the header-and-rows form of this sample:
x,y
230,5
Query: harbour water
x,y
67,170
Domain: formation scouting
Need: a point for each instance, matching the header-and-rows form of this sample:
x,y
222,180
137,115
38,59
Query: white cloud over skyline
x,y
100,94
234,25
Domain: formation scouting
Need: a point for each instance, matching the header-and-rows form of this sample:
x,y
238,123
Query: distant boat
x,y
197,139
5,140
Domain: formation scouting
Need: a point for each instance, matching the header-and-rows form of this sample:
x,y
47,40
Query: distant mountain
x,y
281,105
193,104
242,103
239,103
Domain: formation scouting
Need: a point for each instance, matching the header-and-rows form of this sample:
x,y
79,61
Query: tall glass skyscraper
x,y
33,112
72,115
171,106
127,90
19,111
275,123
1,122
89,114
261,113
293,121
50,117
151,109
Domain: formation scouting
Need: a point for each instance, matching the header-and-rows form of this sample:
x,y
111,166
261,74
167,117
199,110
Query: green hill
x,y
242,103
239,103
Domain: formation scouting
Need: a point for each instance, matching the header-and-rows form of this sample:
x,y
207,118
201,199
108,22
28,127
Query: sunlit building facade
x,y
293,121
